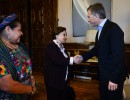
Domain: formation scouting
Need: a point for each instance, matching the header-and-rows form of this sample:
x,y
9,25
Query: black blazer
x,y
55,67
110,52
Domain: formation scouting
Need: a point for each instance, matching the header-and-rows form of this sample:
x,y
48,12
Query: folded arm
x,y
7,84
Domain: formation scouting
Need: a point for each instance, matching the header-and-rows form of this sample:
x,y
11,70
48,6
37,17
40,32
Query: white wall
x,y
120,15
65,19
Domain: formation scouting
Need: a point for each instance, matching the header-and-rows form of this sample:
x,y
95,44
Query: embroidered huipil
x,y
23,67
22,63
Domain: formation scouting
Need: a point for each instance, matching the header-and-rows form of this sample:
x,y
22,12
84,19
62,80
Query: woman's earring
x,y
8,37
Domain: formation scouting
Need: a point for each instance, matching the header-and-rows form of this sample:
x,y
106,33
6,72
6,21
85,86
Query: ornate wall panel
x,y
38,18
42,25
37,36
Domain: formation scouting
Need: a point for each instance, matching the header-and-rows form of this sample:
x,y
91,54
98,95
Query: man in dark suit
x,y
109,48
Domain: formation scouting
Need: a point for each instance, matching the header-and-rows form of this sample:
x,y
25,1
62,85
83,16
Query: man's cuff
x,y
71,60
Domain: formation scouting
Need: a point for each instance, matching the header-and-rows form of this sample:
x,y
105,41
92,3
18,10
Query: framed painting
x,y
79,15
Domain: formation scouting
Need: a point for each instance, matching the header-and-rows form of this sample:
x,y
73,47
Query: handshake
x,y
78,59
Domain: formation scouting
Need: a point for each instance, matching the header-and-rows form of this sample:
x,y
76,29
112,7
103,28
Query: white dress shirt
x,y
101,26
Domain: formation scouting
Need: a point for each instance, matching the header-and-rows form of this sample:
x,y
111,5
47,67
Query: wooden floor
x,y
84,89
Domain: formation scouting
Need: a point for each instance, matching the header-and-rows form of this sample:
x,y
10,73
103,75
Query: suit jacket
x,y
110,52
55,67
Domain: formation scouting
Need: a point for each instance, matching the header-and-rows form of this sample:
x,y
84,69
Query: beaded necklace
x,y
13,47
9,45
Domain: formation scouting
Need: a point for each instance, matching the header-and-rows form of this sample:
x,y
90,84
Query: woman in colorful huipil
x,y
16,80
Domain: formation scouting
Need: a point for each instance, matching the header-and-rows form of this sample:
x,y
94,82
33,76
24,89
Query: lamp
x,y
90,38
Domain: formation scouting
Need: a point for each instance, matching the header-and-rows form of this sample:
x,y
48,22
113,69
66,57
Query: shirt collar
x,y
103,22
57,43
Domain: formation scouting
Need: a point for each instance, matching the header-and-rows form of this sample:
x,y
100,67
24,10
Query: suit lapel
x,y
96,40
103,31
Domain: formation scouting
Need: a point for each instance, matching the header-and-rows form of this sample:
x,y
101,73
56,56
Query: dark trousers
x,y
105,94
56,94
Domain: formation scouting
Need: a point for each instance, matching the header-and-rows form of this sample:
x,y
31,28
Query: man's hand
x,y
112,86
78,59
